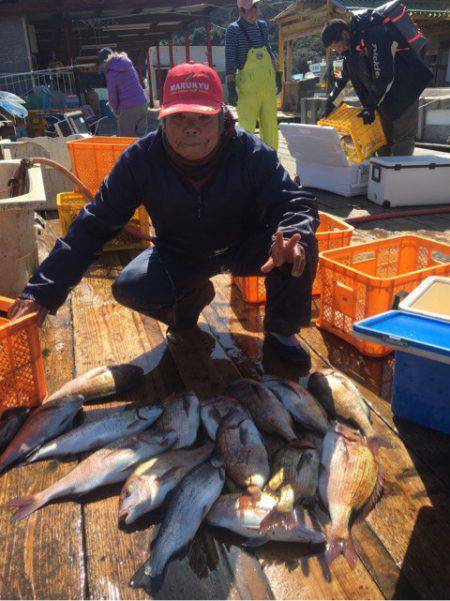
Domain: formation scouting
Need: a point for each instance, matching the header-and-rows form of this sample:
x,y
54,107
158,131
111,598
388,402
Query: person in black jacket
x,y
219,201
386,73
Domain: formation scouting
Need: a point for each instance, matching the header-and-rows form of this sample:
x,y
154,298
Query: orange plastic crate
x,y
331,233
362,280
94,157
22,381
69,205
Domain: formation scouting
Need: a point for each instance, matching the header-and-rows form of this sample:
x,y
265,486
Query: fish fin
x,y
22,507
376,442
252,543
372,500
304,459
171,473
144,580
276,518
341,546
246,502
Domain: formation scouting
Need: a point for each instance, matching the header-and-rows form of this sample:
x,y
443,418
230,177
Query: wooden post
x,y
187,43
208,42
67,39
158,74
150,84
281,63
171,51
289,61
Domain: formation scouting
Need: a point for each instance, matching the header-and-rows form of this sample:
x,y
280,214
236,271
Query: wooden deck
x,y
75,550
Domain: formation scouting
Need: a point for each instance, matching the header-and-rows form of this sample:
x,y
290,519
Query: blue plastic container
x,y
421,389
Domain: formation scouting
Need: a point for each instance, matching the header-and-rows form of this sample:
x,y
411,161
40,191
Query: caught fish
x,y
341,398
43,424
243,514
267,412
10,423
98,433
294,476
148,486
102,382
242,448
349,484
186,510
112,464
300,403
181,414
213,410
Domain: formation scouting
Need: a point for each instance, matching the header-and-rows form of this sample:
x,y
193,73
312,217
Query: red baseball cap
x,y
192,88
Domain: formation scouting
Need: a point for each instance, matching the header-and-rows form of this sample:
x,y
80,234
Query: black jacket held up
x,y
249,191
383,69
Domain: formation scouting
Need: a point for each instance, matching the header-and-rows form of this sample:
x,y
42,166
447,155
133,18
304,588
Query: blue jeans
x,y
175,289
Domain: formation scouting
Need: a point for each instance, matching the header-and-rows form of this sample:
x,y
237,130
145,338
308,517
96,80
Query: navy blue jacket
x,y
384,71
249,191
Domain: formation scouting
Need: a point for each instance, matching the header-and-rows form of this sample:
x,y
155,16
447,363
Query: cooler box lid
x,y
408,332
425,161
314,144
431,298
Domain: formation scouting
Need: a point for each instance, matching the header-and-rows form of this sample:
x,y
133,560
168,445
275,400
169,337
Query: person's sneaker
x,y
288,348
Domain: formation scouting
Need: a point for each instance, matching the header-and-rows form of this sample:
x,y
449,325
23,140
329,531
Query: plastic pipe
x,y
396,215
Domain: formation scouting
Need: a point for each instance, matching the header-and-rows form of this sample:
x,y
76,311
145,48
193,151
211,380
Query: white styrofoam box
x,y
431,298
321,160
409,180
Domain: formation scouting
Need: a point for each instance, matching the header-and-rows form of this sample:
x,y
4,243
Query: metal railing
x,y
59,80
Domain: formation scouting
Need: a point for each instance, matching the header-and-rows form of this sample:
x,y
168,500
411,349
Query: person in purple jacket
x,y
125,94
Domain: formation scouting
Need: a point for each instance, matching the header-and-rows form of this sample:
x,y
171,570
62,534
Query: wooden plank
x,y
42,556
305,577
106,332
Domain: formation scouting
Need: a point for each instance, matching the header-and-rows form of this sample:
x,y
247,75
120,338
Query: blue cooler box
x,y
421,390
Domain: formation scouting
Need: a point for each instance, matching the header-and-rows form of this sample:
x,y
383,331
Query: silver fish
x,y
341,398
102,382
181,414
112,464
44,423
300,403
244,514
267,412
187,508
213,410
98,433
148,486
243,450
10,423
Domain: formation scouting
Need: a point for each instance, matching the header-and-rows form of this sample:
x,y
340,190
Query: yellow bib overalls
x,y
257,96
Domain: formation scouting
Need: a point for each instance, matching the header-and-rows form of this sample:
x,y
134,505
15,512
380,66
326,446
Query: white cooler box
x,y
321,161
409,180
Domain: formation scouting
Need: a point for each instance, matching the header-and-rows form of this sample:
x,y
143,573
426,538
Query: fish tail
x,y
341,545
145,580
376,442
287,499
22,507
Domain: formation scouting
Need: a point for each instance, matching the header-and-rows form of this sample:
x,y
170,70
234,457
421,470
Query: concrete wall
x,y
15,54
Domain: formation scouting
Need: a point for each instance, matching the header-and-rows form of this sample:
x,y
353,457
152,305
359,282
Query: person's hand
x,y
279,81
232,93
329,108
26,306
286,251
367,115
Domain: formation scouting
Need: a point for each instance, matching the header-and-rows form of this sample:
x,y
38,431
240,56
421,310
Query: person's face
x,y
191,135
251,14
343,44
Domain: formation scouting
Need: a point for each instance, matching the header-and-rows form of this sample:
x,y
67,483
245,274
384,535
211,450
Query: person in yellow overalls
x,y
252,78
